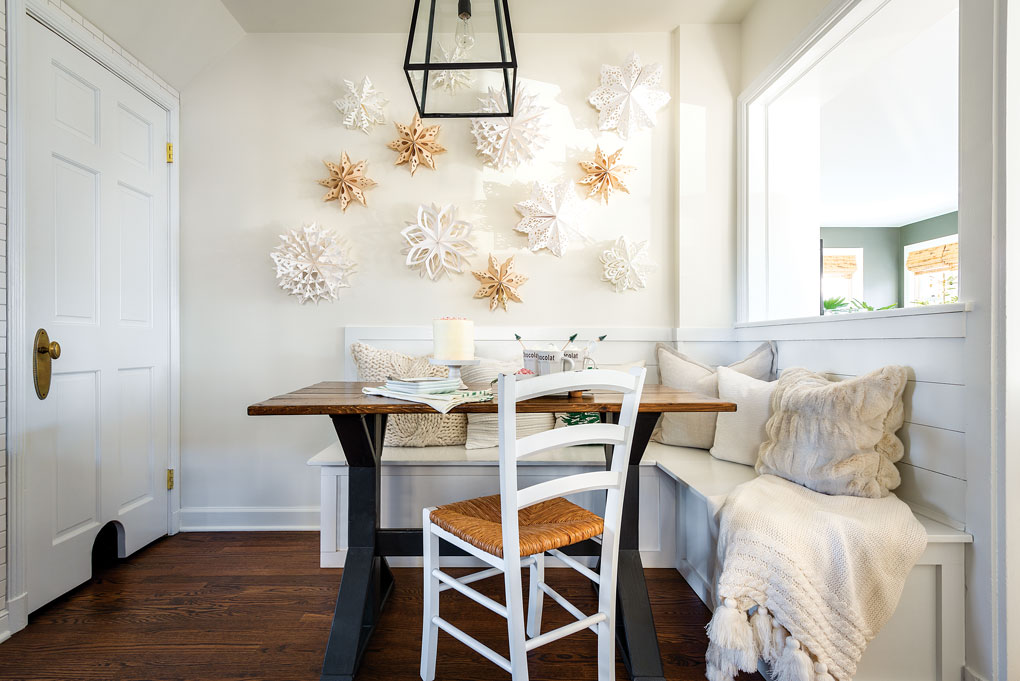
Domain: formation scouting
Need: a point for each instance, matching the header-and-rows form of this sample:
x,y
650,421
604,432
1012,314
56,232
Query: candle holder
x,y
454,366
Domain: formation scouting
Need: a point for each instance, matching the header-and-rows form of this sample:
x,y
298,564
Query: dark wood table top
x,y
344,397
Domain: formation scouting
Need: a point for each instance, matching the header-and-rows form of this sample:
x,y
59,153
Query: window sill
x,y
928,321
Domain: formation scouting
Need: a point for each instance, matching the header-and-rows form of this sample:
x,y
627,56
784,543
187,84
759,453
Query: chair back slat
x,y
565,486
586,434
591,379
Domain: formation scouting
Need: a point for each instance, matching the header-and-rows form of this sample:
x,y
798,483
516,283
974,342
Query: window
x,y
931,271
842,278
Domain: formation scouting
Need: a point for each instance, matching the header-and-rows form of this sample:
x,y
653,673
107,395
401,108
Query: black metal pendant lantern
x,y
459,53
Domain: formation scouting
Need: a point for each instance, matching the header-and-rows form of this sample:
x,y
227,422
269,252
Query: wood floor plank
x,y
234,606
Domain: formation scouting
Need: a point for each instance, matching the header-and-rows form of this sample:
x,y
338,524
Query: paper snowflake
x,y
438,243
363,107
499,283
629,96
416,144
346,181
312,264
552,216
604,175
626,265
508,142
451,80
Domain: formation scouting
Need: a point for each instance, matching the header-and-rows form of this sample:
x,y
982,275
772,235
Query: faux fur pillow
x,y
409,430
836,437
677,370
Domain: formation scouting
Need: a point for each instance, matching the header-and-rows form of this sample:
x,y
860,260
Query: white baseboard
x,y
5,629
16,617
249,518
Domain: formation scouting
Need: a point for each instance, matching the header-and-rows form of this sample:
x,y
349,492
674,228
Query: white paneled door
x,y
97,279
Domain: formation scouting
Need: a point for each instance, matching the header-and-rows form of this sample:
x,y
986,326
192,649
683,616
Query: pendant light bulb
x,y
465,36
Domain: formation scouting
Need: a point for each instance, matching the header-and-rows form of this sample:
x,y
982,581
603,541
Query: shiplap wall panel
x,y
934,360
935,449
941,497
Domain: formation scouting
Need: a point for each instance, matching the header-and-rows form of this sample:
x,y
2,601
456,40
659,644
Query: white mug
x,y
543,362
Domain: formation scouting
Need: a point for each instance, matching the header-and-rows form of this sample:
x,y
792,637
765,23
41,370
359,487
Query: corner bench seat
x,y
682,490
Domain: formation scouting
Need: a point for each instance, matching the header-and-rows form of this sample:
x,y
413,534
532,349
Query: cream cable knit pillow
x,y
836,437
409,430
677,370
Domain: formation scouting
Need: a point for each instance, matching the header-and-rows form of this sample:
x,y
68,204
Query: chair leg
x,y
607,604
429,631
536,597
515,619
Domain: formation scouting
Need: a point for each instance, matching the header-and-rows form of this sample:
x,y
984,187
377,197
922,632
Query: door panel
x,y
97,279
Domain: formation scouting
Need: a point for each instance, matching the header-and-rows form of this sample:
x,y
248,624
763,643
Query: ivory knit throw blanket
x,y
825,573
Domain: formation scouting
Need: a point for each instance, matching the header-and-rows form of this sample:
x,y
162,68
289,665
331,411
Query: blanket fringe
x,y
822,672
761,625
717,665
794,664
731,631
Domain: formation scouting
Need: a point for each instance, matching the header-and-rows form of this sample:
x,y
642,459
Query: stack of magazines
x,y
442,394
422,386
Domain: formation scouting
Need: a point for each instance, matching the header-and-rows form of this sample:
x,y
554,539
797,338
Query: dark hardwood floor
x,y
256,605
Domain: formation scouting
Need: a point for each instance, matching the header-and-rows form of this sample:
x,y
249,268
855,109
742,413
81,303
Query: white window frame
x,y
908,276
857,280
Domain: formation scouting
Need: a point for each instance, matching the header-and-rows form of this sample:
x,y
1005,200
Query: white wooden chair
x,y
504,530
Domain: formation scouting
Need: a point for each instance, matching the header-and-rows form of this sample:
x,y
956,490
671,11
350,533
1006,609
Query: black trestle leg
x,y
366,580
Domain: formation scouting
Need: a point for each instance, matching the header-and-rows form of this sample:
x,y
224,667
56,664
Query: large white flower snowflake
x,y
363,107
451,80
626,265
629,96
312,264
508,142
438,243
552,216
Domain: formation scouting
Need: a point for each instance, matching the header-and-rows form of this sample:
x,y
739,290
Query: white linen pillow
x,y
739,434
483,429
677,370
409,430
836,437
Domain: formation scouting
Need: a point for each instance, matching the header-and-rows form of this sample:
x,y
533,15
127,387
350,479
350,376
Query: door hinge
x,y
169,152
169,478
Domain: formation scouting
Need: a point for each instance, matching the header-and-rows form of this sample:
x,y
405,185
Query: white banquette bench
x,y
682,489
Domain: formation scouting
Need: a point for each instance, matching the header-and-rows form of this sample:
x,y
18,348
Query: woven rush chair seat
x,y
545,526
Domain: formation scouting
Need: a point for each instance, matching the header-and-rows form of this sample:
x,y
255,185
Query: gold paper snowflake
x,y
416,144
346,181
499,283
604,175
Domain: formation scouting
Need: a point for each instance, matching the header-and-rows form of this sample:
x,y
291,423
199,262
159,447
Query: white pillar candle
x,y
453,338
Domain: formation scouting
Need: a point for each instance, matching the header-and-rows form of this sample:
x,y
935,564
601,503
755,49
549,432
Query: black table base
x,y
367,581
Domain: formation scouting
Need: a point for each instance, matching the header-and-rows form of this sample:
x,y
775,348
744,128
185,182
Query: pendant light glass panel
x,y
452,61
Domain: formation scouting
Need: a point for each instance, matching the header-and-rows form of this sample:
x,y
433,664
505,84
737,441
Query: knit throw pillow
x,y
677,370
409,430
836,437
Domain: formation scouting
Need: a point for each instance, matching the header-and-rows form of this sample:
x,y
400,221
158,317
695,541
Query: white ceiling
x,y
527,16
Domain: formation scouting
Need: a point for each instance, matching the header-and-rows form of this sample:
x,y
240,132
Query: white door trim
x,y
18,13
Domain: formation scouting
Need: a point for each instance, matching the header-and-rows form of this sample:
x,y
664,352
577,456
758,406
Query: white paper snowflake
x,y
451,80
363,107
552,216
629,96
312,264
438,243
508,142
626,265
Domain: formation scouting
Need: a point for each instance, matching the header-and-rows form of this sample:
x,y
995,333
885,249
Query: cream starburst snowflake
x,y
626,265
312,264
629,96
437,243
451,80
508,142
363,107
552,217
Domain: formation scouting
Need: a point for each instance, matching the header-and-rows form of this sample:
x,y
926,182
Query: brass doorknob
x,y
42,371
53,350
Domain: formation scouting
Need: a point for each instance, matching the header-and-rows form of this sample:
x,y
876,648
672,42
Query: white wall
x,y
256,125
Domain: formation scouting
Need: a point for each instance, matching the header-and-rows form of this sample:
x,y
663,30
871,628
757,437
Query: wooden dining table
x,y
360,424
